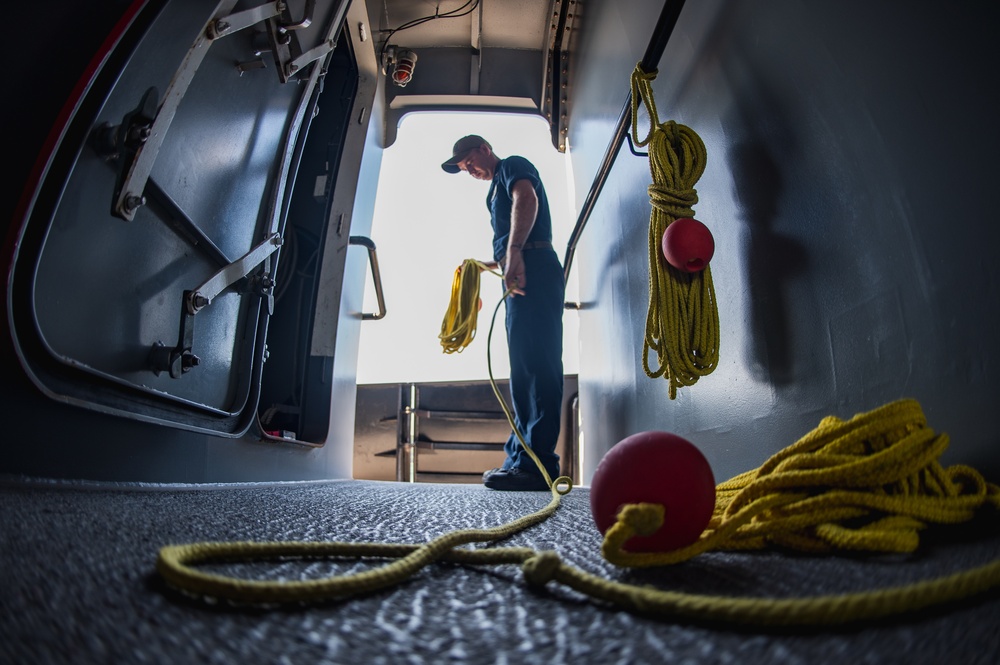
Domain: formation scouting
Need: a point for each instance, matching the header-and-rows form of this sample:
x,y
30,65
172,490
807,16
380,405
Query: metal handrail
x,y
376,276
654,51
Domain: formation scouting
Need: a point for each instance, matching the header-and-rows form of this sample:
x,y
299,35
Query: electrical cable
x,y
454,13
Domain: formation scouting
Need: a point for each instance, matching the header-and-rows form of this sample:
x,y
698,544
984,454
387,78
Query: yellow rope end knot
x,y
640,74
540,569
644,519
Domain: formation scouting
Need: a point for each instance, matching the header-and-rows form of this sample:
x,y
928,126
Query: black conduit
x,y
654,51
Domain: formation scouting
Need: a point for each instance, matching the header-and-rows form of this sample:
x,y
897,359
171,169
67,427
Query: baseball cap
x,y
462,146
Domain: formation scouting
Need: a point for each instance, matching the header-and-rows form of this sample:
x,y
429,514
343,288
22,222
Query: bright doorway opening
x,y
426,223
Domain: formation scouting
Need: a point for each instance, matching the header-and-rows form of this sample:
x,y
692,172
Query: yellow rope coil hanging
x,y
682,322
458,328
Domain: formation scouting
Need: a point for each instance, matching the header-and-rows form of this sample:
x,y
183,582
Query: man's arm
x,y
524,209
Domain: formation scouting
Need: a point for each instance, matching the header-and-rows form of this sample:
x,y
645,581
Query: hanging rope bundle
x,y
458,328
682,322
868,484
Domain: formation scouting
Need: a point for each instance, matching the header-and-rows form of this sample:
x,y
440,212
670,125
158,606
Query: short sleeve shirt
x,y
500,201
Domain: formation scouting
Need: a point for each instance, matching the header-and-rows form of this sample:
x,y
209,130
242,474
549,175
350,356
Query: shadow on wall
x,y
772,261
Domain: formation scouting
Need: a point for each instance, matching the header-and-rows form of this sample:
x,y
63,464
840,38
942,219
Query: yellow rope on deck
x,y
175,562
866,484
870,483
682,321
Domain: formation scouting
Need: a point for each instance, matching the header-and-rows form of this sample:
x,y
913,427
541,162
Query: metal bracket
x,y
138,164
137,140
288,56
311,55
631,146
122,143
180,359
556,95
227,25
202,297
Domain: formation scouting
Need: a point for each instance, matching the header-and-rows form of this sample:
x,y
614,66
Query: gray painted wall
x,y
851,153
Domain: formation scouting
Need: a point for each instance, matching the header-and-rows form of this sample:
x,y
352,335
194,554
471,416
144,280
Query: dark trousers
x,y
534,337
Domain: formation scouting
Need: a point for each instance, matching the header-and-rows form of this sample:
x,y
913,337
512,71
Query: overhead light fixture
x,y
403,60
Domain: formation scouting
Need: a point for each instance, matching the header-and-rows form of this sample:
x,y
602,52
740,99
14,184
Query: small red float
x,y
659,468
688,245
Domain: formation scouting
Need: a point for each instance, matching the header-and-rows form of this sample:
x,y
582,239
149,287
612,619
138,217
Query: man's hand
x,y
514,275
524,208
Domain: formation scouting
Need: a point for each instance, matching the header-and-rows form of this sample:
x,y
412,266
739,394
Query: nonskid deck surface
x,y
79,584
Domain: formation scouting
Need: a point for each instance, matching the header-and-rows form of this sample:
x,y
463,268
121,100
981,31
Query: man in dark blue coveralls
x,y
522,248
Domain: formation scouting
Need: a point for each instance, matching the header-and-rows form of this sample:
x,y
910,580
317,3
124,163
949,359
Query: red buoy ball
x,y
659,468
688,245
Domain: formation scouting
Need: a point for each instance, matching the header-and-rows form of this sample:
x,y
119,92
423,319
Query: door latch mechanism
x,y
180,359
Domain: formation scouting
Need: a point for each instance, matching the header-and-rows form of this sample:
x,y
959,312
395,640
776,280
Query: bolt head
x,y
132,202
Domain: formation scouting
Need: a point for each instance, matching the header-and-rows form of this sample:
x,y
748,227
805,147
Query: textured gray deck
x,y
79,586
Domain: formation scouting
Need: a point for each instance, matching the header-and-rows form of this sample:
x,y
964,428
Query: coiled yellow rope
x,y
869,483
458,328
682,322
